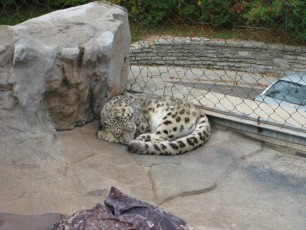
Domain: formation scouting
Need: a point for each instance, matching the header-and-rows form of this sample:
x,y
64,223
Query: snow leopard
x,y
155,125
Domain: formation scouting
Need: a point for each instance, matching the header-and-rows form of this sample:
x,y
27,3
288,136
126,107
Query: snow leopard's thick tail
x,y
184,144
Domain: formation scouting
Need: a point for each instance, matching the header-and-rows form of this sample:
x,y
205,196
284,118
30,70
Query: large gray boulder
x,y
64,64
56,72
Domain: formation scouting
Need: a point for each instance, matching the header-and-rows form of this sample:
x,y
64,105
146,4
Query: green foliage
x,y
67,3
154,12
150,13
295,16
188,10
7,2
265,14
216,12
286,15
48,3
17,11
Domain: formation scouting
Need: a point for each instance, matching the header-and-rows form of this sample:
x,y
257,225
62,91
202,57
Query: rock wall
x,y
221,54
64,65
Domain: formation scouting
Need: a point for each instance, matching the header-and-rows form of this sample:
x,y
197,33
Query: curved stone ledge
x,y
199,52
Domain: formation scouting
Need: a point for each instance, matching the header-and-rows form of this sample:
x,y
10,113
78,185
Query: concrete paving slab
x,y
233,182
266,191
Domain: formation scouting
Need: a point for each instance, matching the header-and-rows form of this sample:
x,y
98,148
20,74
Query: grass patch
x,y
140,32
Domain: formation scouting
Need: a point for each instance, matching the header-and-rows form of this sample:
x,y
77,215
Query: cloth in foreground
x,y
122,212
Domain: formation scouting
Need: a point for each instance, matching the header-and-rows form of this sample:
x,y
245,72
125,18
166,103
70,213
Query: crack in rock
x,y
221,179
21,195
161,163
151,179
189,193
252,154
97,192
84,158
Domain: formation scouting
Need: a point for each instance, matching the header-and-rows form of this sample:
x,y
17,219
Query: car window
x,y
288,91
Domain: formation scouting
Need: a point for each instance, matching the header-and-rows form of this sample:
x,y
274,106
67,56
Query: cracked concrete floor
x,y
233,182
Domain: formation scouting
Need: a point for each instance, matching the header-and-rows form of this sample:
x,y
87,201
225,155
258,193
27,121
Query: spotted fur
x,y
151,124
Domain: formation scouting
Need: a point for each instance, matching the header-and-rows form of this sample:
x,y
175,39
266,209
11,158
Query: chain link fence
x,y
223,76
217,54
221,55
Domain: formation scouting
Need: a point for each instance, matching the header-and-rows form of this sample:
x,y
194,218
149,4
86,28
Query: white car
x,y
288,92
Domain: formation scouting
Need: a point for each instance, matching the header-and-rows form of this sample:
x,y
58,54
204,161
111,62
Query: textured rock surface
x,y
63,65
232,182
57,71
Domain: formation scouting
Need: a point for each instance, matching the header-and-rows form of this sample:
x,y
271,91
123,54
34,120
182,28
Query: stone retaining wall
x,y
221,54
